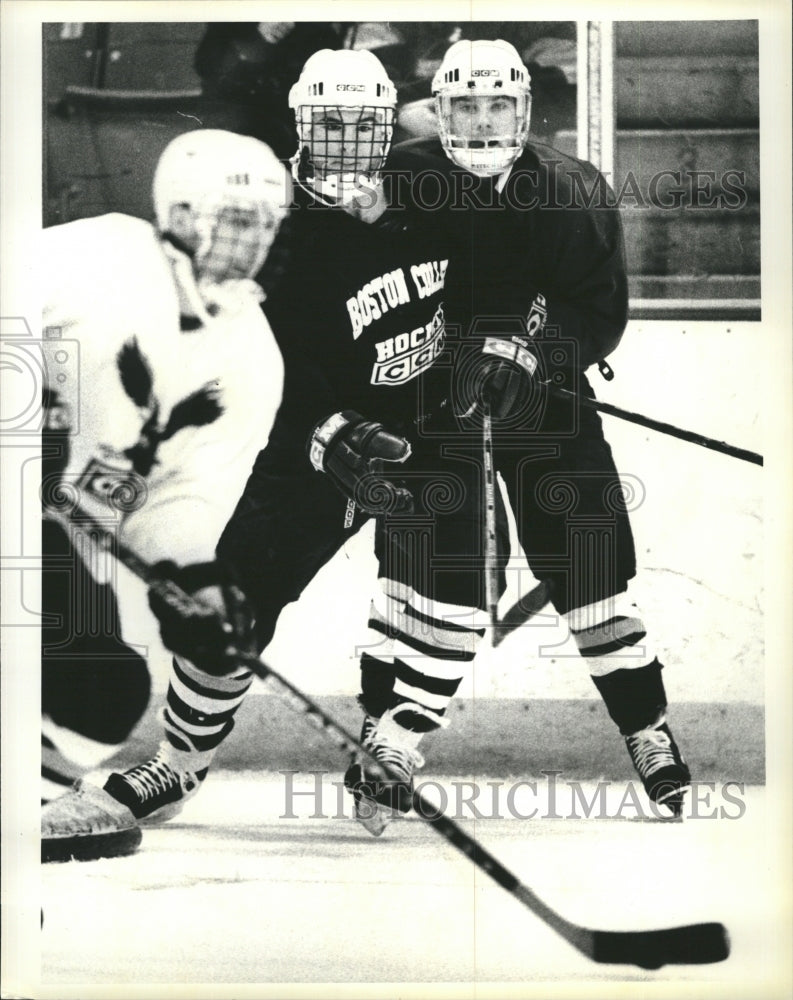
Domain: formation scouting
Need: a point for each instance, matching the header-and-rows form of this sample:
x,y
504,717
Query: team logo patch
x,y
538,314
119,488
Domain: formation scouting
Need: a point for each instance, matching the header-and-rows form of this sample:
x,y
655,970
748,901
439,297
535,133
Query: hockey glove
x,y
352,451
56,448
504,376
211,630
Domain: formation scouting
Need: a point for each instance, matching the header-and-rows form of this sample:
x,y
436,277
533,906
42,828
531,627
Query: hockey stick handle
x,y
649,949
658,425
530,605
69,515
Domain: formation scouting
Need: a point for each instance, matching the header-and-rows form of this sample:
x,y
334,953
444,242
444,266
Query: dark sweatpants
x,y
565,492
291,520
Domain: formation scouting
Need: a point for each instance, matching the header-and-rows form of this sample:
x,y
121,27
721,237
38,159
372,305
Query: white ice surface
x,y
231,892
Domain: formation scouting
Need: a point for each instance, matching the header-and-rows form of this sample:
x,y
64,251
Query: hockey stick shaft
x,y
650,949
658,425
491,543
530,604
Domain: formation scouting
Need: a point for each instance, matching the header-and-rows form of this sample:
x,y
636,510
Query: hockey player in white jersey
x,y
157,354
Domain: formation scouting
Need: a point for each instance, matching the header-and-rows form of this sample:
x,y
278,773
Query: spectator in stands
x,y
247,68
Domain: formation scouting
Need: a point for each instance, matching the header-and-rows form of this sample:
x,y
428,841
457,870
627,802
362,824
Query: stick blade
x,y
696,944
522,612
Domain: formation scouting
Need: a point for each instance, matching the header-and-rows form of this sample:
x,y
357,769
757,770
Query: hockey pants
x,y
425,627
94,687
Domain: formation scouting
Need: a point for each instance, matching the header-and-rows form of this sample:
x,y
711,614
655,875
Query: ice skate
x,y
156,791
85,824
379,800
661,767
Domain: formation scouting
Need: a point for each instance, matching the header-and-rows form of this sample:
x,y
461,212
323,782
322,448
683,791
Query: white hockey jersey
x,y
166,413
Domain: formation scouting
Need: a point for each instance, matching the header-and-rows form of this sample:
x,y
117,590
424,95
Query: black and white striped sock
x,y
418,650
612,638
610,635
200,708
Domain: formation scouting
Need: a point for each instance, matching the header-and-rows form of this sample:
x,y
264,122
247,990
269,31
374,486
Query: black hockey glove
x,y
56,448
504,375
210,631
352,451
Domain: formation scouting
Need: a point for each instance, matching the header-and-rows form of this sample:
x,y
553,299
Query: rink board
x,y
722,741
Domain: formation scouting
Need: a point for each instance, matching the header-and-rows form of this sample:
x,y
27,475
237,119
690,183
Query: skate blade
x,y
163,814
675,803
373,817
91,847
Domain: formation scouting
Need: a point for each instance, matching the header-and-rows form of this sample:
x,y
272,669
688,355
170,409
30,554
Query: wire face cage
x,y
337,139
483,154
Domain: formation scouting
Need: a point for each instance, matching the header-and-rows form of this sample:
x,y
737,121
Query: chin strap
x,y
339,194
181,261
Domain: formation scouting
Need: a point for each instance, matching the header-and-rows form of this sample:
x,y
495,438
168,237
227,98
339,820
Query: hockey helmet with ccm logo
x,y
487,69
221,178
344,113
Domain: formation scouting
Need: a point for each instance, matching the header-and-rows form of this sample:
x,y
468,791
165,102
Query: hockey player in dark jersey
x,y
538,262
359,321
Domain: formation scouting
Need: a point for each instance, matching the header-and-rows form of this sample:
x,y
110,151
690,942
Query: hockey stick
x,y
695,944
491,544
658,425
521,612
530,604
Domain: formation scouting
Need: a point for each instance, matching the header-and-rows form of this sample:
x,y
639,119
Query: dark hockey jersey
x,y
358,317
547,247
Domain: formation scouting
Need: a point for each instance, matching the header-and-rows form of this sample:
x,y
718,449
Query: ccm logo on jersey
x,y
538,314
485,72
401,358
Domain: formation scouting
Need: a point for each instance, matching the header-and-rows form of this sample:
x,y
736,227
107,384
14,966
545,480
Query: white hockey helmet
x,y
217,175
482,68
344,113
